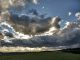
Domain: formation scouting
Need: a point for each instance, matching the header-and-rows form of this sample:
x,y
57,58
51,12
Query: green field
x,y
57,55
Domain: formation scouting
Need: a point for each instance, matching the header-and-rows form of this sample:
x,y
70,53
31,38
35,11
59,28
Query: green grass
x,y
58,55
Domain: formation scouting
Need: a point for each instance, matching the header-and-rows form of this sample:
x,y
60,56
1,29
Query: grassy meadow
x,y
55,55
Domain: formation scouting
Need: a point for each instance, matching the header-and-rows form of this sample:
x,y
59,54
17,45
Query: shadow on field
x,y
74,50
15,53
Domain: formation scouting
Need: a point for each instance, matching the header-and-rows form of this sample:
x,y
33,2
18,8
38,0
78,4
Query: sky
x,y
57,8
65,9
65,37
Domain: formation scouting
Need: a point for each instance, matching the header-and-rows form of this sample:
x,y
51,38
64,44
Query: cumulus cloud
x,y
78,15
35,22
35,1
68,40
67,37
44,31
6,4
78,18
70,13
21,2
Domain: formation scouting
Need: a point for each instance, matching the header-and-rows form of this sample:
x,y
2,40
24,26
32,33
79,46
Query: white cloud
x,y
78,15
7,3
35,1
70,13
69,32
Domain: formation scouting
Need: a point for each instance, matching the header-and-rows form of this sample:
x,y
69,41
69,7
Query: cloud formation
x,y
40,31
33,22
17,2
66,37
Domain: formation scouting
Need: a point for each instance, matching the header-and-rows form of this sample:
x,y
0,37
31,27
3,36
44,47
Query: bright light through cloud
x,y
35,1
10,1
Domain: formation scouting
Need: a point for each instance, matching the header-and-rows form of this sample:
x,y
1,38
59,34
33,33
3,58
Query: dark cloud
x,y
67,37
67,41
33,22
